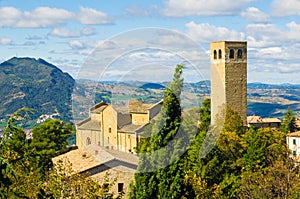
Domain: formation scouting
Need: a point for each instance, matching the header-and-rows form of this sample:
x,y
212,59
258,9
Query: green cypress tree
x,y
288,124
160,171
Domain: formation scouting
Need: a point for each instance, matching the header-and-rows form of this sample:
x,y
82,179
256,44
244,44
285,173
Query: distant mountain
x,y
37,84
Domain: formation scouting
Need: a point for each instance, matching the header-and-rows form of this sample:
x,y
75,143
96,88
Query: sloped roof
x,y
258,119
89,124
271,120
294,134
123,119
98,108
80,159
105,155
89,157
254,119
130,128
136,106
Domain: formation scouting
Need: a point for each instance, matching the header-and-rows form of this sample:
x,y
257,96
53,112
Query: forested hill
x,y
37,84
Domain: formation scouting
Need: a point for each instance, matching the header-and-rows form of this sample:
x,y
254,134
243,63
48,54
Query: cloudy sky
x,y
124,38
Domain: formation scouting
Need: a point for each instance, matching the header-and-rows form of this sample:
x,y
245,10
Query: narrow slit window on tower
x,y
215,54
231,54
240,54
220,54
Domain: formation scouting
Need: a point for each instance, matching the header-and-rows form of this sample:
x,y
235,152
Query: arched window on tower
x,y
88,141
240,54
215,54
220,54
231,54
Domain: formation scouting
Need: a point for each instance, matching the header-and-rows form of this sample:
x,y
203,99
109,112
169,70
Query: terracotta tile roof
x,y
254,119
258,119
85,158
89,124
80,159
269,120
294,134
105,155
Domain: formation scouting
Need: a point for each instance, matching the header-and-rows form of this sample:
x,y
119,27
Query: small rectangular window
x,y
120,187
294,141
294,153
109,129
231,54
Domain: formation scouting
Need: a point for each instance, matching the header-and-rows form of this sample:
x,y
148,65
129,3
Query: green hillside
x,y
37,84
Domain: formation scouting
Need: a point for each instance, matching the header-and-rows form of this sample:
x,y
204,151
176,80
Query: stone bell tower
x,y
229,77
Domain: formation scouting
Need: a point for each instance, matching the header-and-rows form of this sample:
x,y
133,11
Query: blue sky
x,y
123,39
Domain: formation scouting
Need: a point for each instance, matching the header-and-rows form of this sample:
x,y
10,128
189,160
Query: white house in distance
x,y
293,143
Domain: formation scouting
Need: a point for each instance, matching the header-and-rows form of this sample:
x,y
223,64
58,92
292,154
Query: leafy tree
x,y
160,170
288,124
24,165
205,115
279,180
14,143
198,188
233,121
6,174
49,140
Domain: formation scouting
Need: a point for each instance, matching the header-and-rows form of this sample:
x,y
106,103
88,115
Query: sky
x,y
144,40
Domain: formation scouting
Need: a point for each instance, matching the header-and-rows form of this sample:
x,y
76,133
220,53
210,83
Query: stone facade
x,y
107,140
107,127
229,77
98,162
259,122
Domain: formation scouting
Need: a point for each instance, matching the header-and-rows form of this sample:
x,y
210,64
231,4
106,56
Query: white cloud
x,y
285,8
9,16
39,17
205,32
92,16
265,35
139,11
179,8
76,44
46,16
255,15
64,32
5,41
293,32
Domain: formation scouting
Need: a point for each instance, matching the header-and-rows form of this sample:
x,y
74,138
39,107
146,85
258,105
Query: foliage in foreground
x,y
243,163
26,169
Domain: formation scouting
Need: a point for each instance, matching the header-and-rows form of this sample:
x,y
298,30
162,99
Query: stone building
x,y
259,122
116,130
229,77
97,162
106,141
